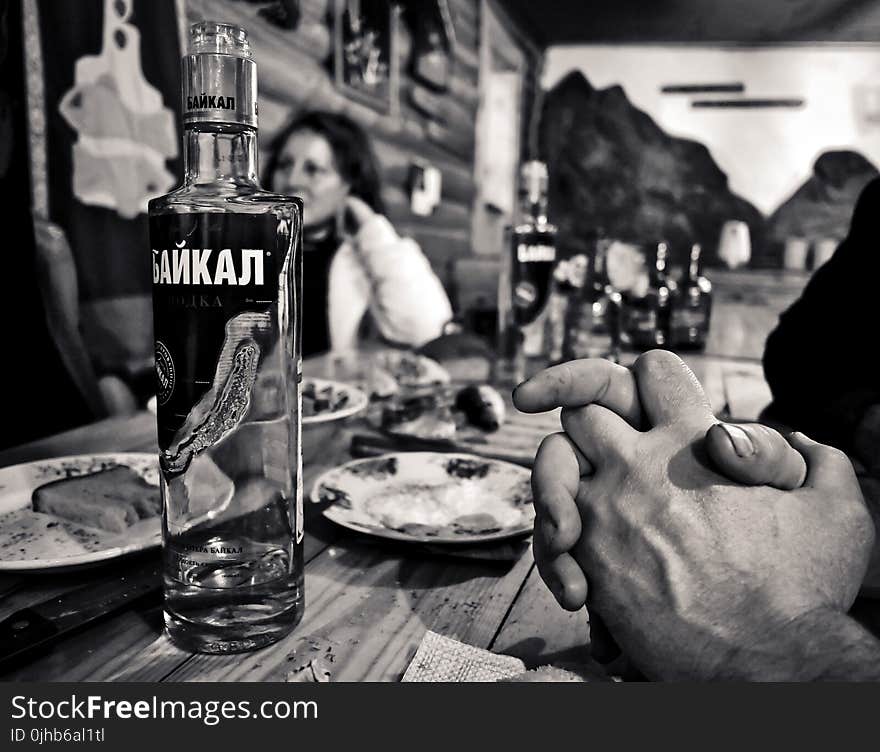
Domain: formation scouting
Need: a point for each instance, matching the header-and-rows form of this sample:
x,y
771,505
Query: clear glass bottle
x,y
692,307
227,279
525,282
592,327
647,319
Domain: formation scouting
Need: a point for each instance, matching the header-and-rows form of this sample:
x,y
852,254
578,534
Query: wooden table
x,y
368,602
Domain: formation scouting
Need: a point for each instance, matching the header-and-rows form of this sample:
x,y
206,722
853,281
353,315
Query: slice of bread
x,y
110,500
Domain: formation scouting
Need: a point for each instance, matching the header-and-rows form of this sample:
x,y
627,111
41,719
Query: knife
x,y
40,625
363,445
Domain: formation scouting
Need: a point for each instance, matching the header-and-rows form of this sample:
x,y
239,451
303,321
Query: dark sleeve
x,y
821,361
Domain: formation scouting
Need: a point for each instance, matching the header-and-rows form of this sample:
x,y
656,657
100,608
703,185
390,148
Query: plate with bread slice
x,y
70,512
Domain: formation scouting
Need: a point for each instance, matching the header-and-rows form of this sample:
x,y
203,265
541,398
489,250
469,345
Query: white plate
x,y
27,543
66,544
429,497
356,402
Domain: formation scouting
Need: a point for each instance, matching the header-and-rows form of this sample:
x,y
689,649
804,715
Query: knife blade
x,y
363,445
41,624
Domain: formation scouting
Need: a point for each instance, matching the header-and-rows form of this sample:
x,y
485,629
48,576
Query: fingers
x,y
755,455
827,468
578,383
556,475
360,210
597,432
563,577
668,390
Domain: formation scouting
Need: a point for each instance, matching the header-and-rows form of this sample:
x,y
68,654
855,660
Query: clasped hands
x,y
706,546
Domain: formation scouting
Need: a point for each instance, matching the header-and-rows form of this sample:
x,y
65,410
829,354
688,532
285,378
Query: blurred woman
x,y
354,262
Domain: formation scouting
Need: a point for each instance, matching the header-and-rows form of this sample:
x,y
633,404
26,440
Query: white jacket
x,y
389,276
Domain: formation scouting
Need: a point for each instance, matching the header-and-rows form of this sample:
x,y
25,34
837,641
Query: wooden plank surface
x,y
368,603
367,610
134,433
539,631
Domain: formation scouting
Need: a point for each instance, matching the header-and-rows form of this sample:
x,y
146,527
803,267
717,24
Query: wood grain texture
x,y
94,654
446,216
135,433
366,612
539,631
295,75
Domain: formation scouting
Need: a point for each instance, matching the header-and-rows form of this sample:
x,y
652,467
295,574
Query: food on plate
x,y
384,374
410,370
450,510
111,499
482,405
426,417
429,496
443,413
322,399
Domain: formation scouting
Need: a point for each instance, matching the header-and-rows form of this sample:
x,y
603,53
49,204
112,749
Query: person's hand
x,y
752,454
359,211
695,576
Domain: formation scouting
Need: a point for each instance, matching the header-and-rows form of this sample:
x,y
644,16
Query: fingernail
x,y
739,439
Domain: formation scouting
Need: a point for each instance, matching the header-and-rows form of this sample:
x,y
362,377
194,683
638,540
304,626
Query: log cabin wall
x,y
295,74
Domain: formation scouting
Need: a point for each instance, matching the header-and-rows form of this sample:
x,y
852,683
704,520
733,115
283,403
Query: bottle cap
x,y
219,76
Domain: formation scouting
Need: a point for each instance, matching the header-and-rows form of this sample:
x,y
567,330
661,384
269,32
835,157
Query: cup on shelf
x,y
824,249
795,254
735,244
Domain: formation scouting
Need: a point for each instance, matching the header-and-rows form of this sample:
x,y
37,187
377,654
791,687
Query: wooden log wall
x,y
295,74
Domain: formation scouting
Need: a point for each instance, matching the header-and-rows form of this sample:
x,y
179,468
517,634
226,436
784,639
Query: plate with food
x,y
73,511
385,373
429,497
324,401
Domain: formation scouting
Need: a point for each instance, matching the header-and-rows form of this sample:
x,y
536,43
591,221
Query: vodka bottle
x,y
227,277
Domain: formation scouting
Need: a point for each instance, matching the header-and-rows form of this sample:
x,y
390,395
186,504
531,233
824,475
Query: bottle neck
x,y
659,272
220,154
694,267
534,211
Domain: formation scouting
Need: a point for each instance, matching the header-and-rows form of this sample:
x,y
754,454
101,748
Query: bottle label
x,y
220,289
526,253
219,89
689,318
531,280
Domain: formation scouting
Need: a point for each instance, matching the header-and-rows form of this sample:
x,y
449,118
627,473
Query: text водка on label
x,y
201,266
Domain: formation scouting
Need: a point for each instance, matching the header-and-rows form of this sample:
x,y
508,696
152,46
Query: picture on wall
x,y
364,51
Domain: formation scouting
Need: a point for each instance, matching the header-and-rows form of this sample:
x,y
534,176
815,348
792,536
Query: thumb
x,y
755,455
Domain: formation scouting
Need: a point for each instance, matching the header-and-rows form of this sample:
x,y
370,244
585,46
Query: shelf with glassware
x,y
621,296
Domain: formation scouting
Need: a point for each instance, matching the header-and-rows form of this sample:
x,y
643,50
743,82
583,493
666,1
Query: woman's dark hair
x,y
352,152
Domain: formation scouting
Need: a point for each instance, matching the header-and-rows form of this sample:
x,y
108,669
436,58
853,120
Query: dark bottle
x,y
227,287
592,327
692,307
647,319
525,282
